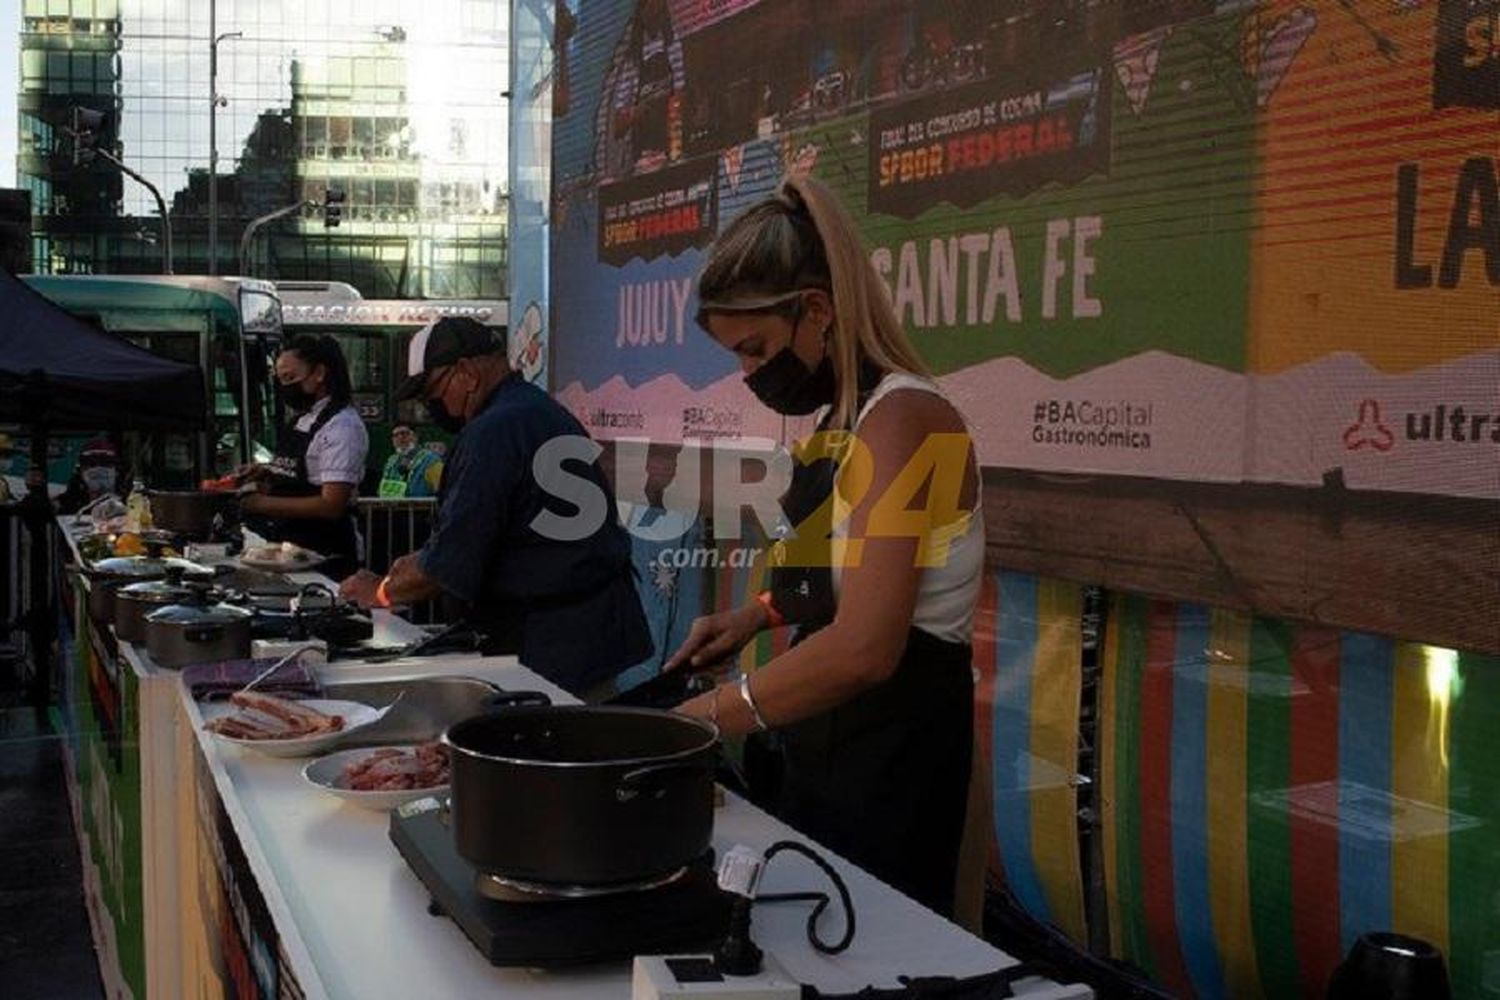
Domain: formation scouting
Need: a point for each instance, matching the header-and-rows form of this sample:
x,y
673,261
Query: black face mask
x,y
786,386
294,397
438,414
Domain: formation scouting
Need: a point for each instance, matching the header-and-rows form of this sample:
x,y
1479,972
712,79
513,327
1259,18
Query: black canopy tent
x,y
59,372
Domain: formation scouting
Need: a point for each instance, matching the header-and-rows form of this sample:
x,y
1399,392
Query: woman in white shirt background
x,y
306,493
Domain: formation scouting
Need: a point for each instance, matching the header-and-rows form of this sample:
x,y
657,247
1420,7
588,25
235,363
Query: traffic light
x,y
87,125
333,208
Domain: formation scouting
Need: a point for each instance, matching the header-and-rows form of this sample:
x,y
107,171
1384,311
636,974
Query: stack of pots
x,y
134,601
106,575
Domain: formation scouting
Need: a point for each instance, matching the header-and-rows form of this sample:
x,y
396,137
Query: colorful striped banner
x,y
1015,653
1124,667
1474,832
1229,675
1270,792
1366,680
985,641
1419,790
1314,833
1190,789
1269,833
1057,680
1155,860
1028,706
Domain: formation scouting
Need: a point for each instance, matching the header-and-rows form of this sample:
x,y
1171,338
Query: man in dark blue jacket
x,y
537,579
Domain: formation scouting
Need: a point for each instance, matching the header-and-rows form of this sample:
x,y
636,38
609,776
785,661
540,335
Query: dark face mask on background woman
x,y
294,397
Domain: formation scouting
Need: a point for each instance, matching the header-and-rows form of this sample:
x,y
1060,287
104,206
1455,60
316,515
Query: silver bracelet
x,y
760,723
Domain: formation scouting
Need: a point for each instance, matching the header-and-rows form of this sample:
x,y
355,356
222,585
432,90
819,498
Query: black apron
x,y
882,779
335,538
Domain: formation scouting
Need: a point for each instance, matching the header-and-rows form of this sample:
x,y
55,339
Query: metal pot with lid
x,y
197,630
134,601
106,575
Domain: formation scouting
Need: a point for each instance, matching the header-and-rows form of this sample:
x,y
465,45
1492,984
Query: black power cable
x,y
820,899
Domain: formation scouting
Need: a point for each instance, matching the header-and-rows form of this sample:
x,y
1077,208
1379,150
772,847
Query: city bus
x,y
230,328
374,334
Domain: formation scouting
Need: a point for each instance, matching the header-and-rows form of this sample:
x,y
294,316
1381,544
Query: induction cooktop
x,y
540,929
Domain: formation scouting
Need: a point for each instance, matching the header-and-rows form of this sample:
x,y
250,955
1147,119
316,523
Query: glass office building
x,y
400,104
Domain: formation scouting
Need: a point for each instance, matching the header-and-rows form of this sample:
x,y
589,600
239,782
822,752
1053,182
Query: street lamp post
x,y
214,100
248,240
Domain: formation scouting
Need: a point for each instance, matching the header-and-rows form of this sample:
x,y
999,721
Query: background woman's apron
x,y
332,537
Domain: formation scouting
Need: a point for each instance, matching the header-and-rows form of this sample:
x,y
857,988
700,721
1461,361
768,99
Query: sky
x,y
10,82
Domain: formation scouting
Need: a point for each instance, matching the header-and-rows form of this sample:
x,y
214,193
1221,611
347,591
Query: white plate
x,y
356,716
312,561
325,773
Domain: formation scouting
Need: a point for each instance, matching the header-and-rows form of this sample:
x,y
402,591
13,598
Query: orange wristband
x,y
382,599
764,597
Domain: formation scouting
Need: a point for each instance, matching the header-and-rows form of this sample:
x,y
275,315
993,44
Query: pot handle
x,y
202,633
501,700
654,779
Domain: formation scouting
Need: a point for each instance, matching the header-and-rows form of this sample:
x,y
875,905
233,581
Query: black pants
x,y
884,779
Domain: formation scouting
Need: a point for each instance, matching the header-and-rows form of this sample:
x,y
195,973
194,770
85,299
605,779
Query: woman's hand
x,y
714,638
701,706
253,472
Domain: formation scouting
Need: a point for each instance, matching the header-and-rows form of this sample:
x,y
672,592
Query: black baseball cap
x,y
440,344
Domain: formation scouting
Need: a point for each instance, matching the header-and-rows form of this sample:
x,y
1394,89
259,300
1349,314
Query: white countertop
x,y
361,914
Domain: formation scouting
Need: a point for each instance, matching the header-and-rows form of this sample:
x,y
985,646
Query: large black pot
x,y
1385,966
189,513
581,795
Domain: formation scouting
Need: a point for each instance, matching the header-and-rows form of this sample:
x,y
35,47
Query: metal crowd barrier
x,y
391,527
27,623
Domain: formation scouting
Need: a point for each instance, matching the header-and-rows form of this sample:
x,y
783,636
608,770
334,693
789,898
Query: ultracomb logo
x,y
1369,431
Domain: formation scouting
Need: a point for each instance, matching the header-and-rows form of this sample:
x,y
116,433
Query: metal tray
x,y
428,706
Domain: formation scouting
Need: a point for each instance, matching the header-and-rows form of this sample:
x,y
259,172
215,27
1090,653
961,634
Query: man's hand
x,y
360,588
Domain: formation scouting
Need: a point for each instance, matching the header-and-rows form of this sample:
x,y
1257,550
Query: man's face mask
x,y
437,410
439,415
